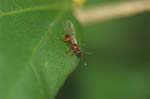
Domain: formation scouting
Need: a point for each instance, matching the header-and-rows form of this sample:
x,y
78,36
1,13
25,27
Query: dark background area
x,y
120,64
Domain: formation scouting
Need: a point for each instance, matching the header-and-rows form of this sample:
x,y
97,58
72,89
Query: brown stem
x,y
102,13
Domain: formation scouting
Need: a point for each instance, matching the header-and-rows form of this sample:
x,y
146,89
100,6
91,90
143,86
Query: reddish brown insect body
x,y
70,38
76,50
67,38
73,47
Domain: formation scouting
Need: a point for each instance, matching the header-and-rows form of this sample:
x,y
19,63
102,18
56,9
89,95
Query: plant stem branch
x,y
103,13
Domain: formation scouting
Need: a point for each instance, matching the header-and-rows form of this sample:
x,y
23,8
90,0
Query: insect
x,y
70,38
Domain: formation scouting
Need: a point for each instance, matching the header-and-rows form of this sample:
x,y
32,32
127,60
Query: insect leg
x,y
85,63
72,53
67,51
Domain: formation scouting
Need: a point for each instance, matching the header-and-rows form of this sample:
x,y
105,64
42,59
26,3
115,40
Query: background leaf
x,y
32,61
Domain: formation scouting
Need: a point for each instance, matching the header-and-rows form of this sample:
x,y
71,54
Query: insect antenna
x,y
89,53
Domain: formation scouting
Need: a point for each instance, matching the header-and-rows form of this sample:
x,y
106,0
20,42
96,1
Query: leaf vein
x,y
43,39
36,8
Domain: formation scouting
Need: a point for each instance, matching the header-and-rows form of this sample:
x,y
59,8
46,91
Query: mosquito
x,y
70,38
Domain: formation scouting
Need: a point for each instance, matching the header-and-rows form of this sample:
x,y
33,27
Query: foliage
x,y
32,61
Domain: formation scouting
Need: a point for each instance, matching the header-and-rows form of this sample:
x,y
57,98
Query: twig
x,y
102,13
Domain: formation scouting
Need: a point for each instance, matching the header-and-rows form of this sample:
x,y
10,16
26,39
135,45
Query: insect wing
x,y
69,29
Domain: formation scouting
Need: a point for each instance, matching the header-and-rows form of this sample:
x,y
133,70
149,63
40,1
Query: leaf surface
x,y
32,60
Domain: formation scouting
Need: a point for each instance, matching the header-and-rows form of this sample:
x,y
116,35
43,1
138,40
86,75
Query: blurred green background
x,y
120,64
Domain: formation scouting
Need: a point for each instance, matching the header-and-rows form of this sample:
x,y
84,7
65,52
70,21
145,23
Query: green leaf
x,y
32,60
